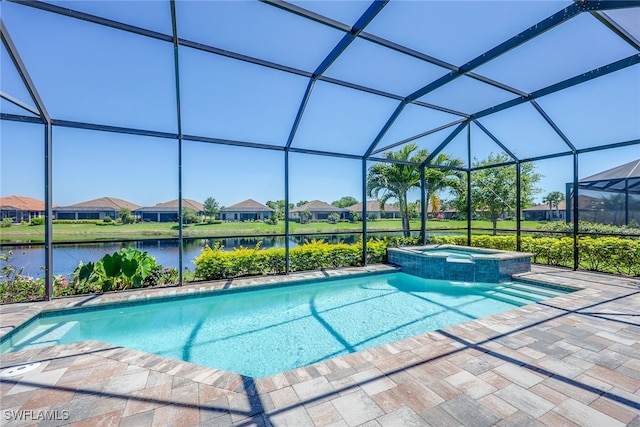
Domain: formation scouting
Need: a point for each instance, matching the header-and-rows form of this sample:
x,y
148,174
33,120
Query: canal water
x,y
66,257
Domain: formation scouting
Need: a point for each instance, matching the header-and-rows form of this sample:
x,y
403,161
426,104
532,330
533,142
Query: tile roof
x,y
101,203
318,206
562,205
373,206
172,206
248,205
22,203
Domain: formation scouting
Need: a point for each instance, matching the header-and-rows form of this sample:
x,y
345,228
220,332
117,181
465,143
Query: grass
x,y
146,230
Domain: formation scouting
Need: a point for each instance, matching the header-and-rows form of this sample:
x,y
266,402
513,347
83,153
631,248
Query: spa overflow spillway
x,y
449,262
265,331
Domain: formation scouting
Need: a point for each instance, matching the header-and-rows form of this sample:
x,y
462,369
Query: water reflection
x,y
166,251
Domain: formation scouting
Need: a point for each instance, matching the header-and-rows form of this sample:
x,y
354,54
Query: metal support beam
x,y
18,103
114,129
589,75
576,213
515,41
287,258
21,118
413,138
424,211
447,140
469,184
468,207
48,7
229,54
346,40
569,198
48,212
305,13
364,212
617,29
303,106
385,128
609,146
589,5
48,153
496,140
176,66
518,206
22,71
394,161
626,201
553,125
364,20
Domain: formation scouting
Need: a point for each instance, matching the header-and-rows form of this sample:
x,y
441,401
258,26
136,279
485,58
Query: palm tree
x,y
436,179
614,203
394,180
553,199
387,181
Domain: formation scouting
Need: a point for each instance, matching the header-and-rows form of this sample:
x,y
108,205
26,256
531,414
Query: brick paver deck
x,y
570,361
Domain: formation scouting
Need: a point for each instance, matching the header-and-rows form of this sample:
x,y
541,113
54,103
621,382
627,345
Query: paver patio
x,y
573,360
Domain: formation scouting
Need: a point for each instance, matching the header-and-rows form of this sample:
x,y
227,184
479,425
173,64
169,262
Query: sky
x,y
95,74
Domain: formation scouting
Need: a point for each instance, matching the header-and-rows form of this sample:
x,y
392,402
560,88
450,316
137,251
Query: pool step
x,y
460,260
548,292
508,298
528,295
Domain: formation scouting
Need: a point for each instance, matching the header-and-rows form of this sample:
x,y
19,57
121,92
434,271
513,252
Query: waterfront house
x,y
373,208
168,211
318,210
545,213
94,209
245,211
21,208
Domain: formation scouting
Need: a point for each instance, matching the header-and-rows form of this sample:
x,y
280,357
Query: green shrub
x,y
607,254
37,221
588,227
15,286
128,268
215,263
77,221
107,219
6,222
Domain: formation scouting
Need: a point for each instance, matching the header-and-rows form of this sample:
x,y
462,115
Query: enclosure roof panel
x,y
346,12
345,78
628,20
625,171
577,46
258,30
152,15
458,31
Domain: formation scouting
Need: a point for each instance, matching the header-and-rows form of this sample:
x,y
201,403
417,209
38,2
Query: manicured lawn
x,y
146,230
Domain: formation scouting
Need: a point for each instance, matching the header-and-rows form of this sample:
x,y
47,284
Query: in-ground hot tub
x,y
450,262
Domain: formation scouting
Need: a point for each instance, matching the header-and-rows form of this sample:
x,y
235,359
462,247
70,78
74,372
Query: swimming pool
x,y
452,262
262,332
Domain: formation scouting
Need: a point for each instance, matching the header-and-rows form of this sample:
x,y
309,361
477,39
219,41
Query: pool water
x,y
456,253
262,332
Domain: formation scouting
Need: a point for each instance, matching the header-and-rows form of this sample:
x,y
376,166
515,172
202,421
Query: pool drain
x,y
14,371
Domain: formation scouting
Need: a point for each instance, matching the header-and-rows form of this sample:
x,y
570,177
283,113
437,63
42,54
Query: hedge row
x,y
215,263
607,254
